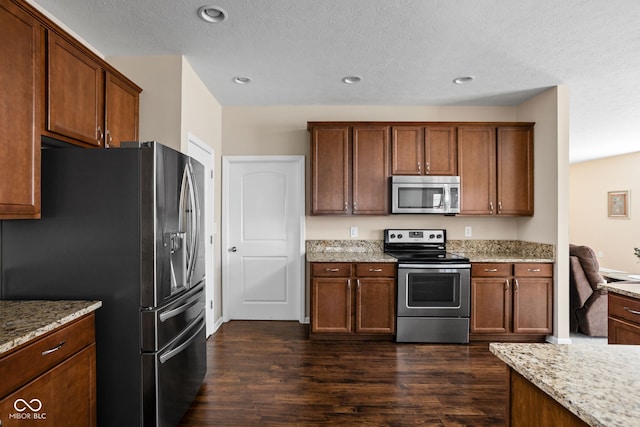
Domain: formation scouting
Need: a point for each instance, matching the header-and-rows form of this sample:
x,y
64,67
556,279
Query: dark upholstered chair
x,y
588,304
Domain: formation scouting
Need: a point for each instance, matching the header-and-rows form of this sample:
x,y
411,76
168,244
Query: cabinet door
x,y
75,84
623,332
477,169
532,305
490,305
407,150
371,170
121,111
20,113
330,171
331,305
440,150
375,306
515,171
63,396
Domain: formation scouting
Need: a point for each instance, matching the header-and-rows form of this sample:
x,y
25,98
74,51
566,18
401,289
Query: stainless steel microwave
x,y
427,194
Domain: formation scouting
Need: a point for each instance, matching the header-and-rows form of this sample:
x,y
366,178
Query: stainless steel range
x,y
433,287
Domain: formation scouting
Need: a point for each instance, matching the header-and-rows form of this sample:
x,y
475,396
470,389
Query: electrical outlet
x,y
467,231
354,231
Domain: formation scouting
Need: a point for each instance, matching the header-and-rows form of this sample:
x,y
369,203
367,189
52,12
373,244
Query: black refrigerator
x,y
123,226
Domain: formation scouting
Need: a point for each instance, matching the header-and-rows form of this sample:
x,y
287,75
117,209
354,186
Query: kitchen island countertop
x,y
598,383
23,320
630,289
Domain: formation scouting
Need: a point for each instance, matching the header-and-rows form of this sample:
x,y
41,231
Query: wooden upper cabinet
x,y
496,170
350,170
121,111
20,113
75,86
515,170
430,150
477,168
330,170
370,170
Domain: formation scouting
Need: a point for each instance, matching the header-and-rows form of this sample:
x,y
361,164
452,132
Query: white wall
x,y
612,238
550,111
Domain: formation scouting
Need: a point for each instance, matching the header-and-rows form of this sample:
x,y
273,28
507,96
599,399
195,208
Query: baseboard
x,y
555,340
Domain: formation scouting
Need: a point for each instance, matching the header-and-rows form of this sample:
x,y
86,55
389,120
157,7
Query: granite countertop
x,y
476,251
22,321
598,383
630,289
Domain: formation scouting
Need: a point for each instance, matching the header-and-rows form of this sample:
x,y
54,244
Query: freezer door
x,y
173,376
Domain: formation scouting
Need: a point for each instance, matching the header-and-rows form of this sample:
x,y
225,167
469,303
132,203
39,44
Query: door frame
x,y
227,164
194,142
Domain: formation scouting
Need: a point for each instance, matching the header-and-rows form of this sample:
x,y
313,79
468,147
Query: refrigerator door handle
x,y
193,222
165,357
166,315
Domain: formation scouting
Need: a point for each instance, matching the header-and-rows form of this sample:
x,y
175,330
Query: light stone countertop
x,y
630,289
479,257
598,383
22,321
349,257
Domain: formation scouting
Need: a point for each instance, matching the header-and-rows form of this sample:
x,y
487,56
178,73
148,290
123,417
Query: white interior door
x,y
263,242
205,155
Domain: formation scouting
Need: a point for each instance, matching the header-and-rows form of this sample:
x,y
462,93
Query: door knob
x,y
233,249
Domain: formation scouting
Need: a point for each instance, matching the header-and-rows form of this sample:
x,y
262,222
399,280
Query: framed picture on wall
x,y
618,204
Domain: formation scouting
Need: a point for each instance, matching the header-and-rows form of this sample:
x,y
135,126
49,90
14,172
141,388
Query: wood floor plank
x,y
270,374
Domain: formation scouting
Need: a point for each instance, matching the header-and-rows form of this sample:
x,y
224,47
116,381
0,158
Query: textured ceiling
x,y
406,51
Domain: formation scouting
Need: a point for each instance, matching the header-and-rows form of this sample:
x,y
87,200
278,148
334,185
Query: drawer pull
x,y
632,311
332,270
491,270
375,270
54,349
534,270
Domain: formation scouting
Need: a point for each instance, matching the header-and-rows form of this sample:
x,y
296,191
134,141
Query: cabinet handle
x,y
108,139
358,285
100,135
54,349
499,207
349,284
506,285
332,270
428,168
491,270
534,270
419,168
632,311
375,270
516,285
355,207
346,207
491,207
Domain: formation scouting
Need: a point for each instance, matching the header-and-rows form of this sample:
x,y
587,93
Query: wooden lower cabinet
x,y
511,301
623,320
353,300
51,380
528,406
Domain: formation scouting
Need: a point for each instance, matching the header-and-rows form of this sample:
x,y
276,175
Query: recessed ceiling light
x,y
212,13
463,80
241,80
351,79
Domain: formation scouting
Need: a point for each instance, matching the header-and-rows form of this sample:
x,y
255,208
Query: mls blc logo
x,y
28,410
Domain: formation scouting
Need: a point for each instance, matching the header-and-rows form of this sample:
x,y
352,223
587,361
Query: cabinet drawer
x,y
490,269
624,308
26,363
331,269
533,270
376,270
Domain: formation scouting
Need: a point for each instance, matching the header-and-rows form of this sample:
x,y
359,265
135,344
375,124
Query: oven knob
x,y
393,236
439,236
431,236
399,236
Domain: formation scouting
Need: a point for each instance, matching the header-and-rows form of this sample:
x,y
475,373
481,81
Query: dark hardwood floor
x,y
270,374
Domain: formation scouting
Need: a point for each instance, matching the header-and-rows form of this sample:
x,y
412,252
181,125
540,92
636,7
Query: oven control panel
x,y
415,236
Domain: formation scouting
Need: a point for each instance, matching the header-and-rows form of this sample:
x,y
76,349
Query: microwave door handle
x,y
447,199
